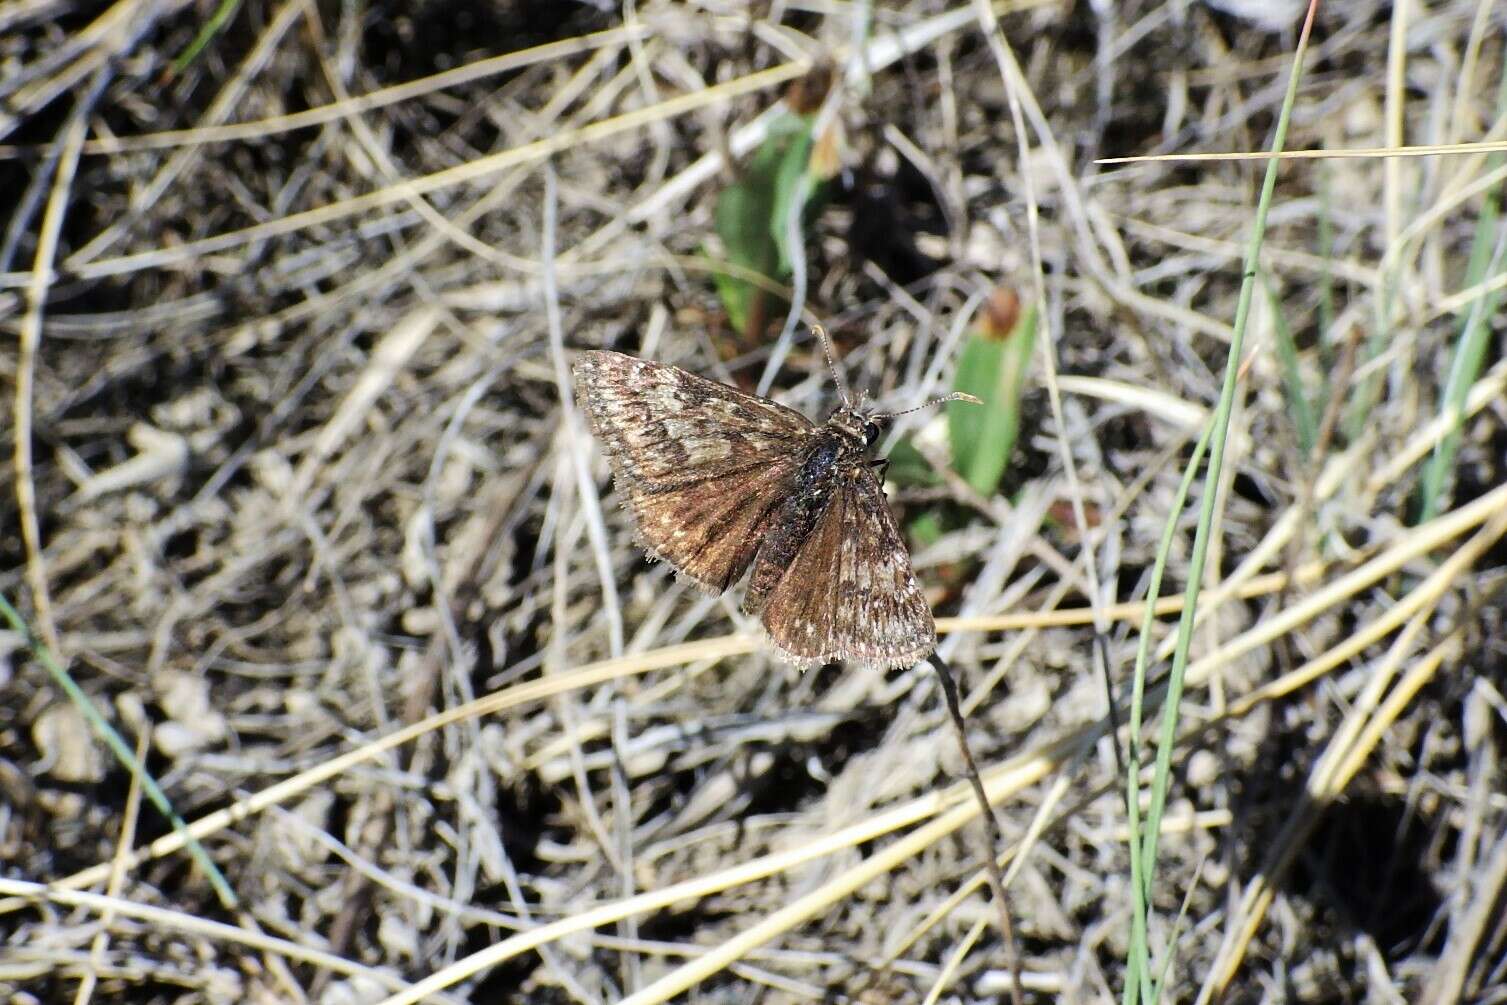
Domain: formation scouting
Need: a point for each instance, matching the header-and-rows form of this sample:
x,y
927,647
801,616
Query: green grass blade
x,y
1198,559
1475,332
207,32
1138,977
1465,368
1326,282
1172,937
1298,404
122,751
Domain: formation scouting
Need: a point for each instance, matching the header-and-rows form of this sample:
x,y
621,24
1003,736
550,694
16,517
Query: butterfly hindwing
x,y
703,465
850,592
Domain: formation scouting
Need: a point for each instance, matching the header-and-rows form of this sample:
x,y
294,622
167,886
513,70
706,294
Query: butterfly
x,y
719,481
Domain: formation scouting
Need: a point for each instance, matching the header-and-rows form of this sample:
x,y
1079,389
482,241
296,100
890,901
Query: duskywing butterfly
x,y
718,480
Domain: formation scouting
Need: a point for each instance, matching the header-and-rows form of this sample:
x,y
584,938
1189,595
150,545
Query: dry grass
x,y
294,495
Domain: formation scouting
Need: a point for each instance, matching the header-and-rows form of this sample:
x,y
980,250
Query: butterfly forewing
x,y
703,465
850,592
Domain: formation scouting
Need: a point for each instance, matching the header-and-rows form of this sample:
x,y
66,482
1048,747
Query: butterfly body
x,y
718,481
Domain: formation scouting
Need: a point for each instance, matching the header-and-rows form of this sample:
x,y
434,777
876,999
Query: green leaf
x,y
993,370
789,178
751,212
736,296
742,209
926,529
909,468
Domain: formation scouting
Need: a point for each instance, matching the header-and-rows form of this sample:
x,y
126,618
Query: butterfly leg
x,y
880,466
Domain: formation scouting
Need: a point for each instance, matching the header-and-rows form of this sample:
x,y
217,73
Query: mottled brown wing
x,y
850,594
702,464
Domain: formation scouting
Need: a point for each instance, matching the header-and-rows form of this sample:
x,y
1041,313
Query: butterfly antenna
x,y
954,396
842,385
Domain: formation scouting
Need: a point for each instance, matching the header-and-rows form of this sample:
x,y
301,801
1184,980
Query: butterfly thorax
x,y
839,445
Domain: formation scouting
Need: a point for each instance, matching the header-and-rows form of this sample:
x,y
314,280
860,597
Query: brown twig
x,y
996,837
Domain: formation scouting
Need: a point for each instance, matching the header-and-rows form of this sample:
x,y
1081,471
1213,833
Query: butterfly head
x,y
851,421
860,429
